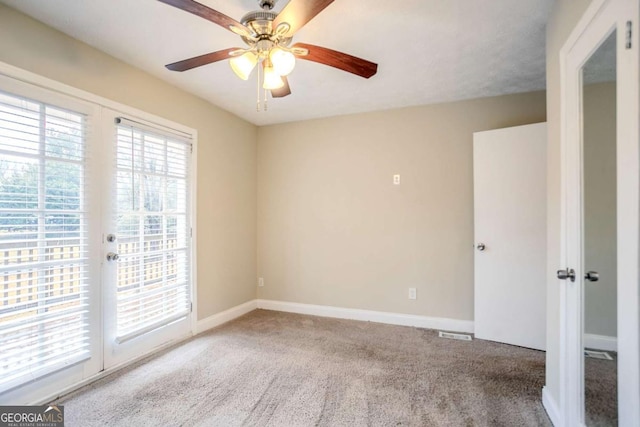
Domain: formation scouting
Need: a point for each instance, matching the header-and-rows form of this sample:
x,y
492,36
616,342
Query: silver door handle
x,y
592,276
569,273
481,247
111,256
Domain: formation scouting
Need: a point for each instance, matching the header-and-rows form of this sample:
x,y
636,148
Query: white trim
x,y
600,19
440,323
570,403
193,199
55,86
551,407
225,316
600,342
588,16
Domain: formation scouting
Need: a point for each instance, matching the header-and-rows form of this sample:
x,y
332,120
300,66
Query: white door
x,y
597,24
147,244
510,235
50,336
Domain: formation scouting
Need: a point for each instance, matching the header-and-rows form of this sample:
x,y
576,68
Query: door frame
x,y
598,22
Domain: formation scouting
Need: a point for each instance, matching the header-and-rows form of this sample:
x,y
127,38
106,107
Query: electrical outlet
x,y
396,179
412,293
260,282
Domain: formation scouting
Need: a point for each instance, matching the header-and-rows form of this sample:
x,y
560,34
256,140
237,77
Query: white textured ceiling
x,y
428,51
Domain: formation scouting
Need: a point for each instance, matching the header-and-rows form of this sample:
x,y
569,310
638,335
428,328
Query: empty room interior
x,y
319,212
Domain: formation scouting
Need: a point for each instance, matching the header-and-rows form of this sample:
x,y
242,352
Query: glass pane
x,y
128,190
63,227
177,155
155,200
153,193
154,155
19,125
18,183
63,134
63,182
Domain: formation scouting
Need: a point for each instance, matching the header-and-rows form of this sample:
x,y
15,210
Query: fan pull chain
x,y
265,100
258,90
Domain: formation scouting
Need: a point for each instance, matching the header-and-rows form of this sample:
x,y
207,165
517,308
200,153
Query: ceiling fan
x,y
268,37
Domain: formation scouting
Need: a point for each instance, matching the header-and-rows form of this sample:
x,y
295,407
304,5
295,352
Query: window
x,y
44,275
153,228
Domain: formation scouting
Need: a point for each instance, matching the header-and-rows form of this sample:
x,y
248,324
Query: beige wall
x,y
600,314
334,230
564,17
226,148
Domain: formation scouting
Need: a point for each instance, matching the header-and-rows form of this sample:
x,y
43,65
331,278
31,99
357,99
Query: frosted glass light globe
x,y
272,80
243,65
283,62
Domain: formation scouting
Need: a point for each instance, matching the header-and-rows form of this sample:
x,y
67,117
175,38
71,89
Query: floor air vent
x,y
598,355
452,336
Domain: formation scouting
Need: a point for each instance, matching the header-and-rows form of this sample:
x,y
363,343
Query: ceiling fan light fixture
x,y
272,79
283,61
243,65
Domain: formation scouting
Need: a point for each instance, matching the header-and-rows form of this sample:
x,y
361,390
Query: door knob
x,y
111,256
481,247
569,273
592,276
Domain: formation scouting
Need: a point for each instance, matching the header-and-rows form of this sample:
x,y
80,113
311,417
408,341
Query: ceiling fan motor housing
x,y
260,22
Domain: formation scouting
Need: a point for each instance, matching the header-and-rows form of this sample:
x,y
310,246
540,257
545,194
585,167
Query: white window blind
x,y
153,228
44,284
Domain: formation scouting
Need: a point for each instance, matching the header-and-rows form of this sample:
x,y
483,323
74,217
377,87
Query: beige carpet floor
x,y
278,369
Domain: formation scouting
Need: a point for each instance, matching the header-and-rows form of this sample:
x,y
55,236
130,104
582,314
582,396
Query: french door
x,y
147,238
95,240
603,19
50,309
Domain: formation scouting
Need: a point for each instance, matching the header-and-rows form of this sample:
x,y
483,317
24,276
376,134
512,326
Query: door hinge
x,y
191,232
191,148
629,34
191,307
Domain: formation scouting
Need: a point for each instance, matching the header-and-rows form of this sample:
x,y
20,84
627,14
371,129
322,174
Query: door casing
x,y
600,20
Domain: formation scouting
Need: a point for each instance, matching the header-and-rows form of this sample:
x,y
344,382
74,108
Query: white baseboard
x,y
225,316
551,407
440,323
600,342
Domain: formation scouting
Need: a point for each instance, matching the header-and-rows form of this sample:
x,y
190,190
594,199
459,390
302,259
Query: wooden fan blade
x,y
209,14
283,91
333,58
198,61
298,12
